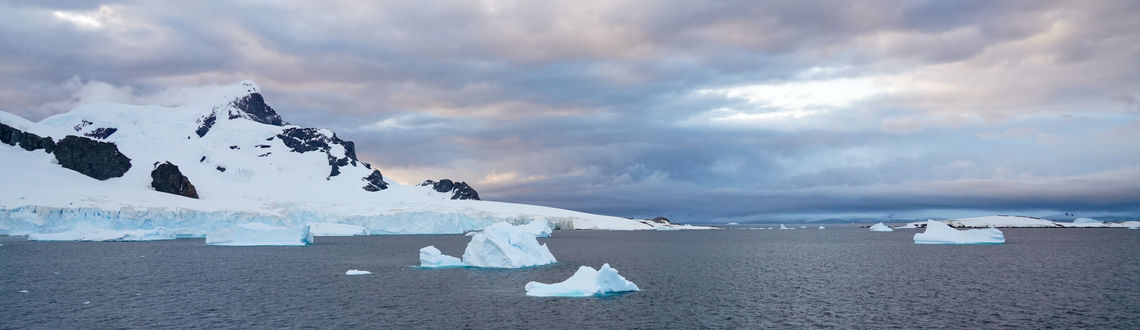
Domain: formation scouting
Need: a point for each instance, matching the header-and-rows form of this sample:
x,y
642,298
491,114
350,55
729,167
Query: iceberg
x,y
257,234
354,272
336,229
586,282
784,227
940,233
822,227
501,245
881,227
431,257
538,228
732,224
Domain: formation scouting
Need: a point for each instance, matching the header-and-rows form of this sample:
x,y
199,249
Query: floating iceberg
x,y
336,229
586,282
940,233
156,234
501,245
784,227
254,234
822,227
538,228
431,257
354,272
881,227
732,224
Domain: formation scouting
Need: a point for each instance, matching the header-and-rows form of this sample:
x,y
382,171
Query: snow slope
x,y
246,169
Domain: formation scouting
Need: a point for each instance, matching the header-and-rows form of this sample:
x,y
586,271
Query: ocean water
x,y
805,278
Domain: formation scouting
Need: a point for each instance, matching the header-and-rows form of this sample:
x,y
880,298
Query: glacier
x,y
501,245
246,168
880,227
431,257
586,282
940,233
259,234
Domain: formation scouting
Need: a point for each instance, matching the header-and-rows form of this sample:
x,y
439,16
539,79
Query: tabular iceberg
x,y
256,234
355,272
431,257
881,227
586,282
501,245
940,233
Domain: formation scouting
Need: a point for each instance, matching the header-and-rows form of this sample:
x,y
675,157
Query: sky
x,y
695,110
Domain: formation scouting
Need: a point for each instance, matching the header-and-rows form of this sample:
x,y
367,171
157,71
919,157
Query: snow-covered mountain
x,y
227,159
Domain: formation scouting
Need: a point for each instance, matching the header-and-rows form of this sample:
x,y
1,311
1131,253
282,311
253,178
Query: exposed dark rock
x,y
459,190
12,136
265,154
253,105
168,179
205,123
99,160
375,182
101,133
306,139
202,160
662,220
82,124
234,147
221,169
262,146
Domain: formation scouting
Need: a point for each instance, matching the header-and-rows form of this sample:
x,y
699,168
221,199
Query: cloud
x,y
697,110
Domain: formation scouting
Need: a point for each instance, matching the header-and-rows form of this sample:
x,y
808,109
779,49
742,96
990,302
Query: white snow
x,y
501,245
538,228
431,257
940,233
586,282
880,227
732,224
354,272
272,185
257,234
1086,220
336,229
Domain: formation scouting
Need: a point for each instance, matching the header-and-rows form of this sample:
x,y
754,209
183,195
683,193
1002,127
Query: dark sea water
x,y
806,278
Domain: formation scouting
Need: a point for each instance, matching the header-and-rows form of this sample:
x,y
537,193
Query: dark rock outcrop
x,y
307,139
375,182
12,136
205,123
460,190
101,133
661,220
168,179
253,105
99,160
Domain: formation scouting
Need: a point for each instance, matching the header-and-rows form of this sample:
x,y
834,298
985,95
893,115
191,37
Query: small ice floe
x,y
23,291
880,227
354,272
732,224
784,227
940,233
822,227
470,233
431,257
586,282
86,302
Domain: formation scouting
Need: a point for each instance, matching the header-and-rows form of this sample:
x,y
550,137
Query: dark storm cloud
x,y
632,107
